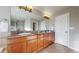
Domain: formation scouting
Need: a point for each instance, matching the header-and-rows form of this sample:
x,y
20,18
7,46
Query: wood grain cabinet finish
x,y
32,46
40,42
17,45
32,43
29,44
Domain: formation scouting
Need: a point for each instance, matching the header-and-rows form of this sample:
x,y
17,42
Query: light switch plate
x,y
71,28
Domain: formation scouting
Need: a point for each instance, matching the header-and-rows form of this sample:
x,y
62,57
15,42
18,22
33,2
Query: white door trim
x,y
68,19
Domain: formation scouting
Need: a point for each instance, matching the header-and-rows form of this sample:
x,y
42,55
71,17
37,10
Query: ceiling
x,y
50,9
38,11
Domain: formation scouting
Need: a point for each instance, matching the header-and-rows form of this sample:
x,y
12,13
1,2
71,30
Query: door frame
x,y
68,22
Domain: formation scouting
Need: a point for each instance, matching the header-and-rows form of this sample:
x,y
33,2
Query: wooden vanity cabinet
x,y
29,44
17,45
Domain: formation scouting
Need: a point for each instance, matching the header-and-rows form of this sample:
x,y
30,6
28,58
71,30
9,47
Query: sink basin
x,y
25,34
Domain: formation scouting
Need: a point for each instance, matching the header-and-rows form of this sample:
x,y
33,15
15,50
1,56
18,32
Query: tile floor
x,y
57,48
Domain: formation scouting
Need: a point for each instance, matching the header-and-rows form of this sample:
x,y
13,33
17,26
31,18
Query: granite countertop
x,y
26,34
20,35
30,36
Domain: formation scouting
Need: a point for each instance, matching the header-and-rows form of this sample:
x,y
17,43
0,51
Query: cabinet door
x,y
40,44
32,43
52,37
32,46
46,43
18,47
47,40
40,41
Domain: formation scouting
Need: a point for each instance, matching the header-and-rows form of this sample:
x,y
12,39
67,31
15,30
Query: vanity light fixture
x,y
46,17
26,8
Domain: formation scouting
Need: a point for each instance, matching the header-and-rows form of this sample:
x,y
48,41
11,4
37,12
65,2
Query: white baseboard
x,y
60,44
73,48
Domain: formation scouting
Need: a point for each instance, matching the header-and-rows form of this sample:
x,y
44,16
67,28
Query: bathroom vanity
x,y
29,43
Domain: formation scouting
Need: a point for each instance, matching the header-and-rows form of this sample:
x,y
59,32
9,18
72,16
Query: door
x,y
34,26
62,29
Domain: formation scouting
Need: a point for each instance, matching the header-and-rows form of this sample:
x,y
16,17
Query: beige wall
x,y
74,22
5,14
